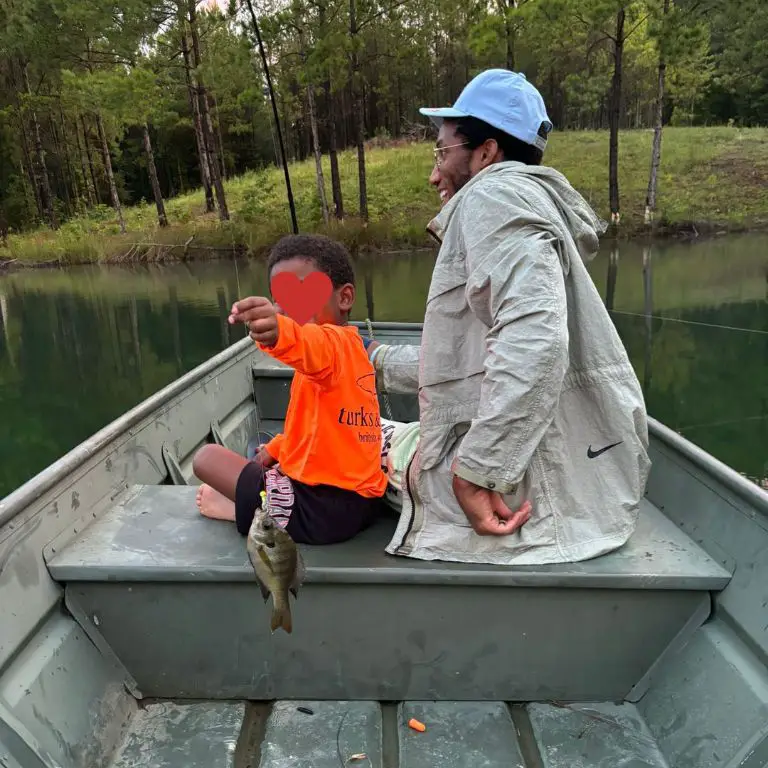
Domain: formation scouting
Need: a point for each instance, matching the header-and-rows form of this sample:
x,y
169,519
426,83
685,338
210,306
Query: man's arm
x,y
396,366
516,286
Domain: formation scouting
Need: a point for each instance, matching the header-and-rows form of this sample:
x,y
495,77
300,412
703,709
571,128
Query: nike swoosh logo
x,y
594,454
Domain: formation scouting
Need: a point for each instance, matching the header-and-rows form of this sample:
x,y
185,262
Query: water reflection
x,y
700,344
79,347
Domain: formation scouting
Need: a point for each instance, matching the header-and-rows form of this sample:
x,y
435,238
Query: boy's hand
x,y
265,458
260,315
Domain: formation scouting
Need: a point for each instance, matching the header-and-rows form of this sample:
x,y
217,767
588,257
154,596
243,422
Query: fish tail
x,y
281,614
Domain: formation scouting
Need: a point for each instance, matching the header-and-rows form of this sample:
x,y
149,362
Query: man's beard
x,y
462,177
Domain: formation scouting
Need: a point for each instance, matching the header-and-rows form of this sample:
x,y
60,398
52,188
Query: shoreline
x,y
166,253
715,182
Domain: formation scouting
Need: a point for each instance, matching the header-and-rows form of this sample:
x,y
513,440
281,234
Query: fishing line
x,y
723,423
384,393
690,322
249,373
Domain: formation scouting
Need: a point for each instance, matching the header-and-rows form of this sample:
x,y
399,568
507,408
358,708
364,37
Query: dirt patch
x,y
743,169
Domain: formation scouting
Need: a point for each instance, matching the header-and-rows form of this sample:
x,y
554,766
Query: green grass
x,y
713,177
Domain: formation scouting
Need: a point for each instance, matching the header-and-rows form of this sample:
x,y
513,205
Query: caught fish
x,y
278,565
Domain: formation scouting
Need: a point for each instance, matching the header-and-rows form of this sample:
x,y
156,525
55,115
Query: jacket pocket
x,y
436,441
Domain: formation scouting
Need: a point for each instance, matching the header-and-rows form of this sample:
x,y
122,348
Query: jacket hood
x,y
576,221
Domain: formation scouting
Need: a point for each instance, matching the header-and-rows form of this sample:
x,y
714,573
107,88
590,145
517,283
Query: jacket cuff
x,y
376,355
496,484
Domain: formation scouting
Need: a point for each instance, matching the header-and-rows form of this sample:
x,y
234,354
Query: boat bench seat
x,y
172,596
155,533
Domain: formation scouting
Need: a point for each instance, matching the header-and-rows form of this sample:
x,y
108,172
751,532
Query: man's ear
x,y
490,152
346,297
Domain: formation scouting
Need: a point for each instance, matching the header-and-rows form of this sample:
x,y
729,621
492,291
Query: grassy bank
x,y
711,178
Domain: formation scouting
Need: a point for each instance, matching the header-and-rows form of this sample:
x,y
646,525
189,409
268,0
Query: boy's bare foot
x,y
213,504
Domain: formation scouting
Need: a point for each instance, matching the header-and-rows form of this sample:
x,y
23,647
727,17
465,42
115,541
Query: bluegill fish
x,y
278,565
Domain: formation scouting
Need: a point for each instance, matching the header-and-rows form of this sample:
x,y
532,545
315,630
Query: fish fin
x,y
281,615
264,590
298,575
265,559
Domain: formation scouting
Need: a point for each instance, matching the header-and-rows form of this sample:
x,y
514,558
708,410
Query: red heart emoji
x,y
301,300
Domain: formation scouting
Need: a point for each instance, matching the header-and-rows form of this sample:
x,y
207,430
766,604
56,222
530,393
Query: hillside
x,y
710,177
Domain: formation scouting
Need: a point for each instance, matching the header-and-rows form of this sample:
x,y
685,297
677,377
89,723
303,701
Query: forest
x,y
105,104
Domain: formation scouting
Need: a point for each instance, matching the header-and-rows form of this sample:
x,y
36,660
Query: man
x,y
532,444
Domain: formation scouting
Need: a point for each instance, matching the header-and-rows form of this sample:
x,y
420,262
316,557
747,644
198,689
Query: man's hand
x,y
486,511
260,315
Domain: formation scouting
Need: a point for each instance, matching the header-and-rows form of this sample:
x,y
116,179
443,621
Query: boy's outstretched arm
x,y
308,348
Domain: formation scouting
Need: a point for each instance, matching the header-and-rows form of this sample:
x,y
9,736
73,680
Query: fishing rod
x,y
277,119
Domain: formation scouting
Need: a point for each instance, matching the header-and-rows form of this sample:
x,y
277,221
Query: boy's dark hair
x,y
328,255
476,131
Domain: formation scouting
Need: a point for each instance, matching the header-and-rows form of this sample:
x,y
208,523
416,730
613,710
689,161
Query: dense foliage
x,y
108,103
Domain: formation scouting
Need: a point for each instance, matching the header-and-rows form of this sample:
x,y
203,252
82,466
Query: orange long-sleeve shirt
x,y
332,432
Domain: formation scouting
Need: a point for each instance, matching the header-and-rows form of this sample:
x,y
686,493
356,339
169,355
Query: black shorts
x,y
311,514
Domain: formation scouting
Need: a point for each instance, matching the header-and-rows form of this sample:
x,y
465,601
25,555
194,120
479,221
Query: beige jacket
x,y
523,382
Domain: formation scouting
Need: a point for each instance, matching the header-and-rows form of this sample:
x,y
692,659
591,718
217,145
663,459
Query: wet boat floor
x,y
336,734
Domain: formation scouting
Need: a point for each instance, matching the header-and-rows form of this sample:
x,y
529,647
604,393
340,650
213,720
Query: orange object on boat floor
x,y
416,725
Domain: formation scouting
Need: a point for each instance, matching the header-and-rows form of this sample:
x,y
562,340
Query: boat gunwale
x,y
746,490
25,495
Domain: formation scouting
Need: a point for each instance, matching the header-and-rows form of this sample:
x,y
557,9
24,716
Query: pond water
x,y
78,347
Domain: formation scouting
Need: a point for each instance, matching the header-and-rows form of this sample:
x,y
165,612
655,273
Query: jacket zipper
x,y
413,503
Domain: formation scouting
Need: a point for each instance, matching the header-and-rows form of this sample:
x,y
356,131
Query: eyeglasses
x,y
438,151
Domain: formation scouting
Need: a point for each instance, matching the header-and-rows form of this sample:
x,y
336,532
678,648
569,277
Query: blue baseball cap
x,y
505,100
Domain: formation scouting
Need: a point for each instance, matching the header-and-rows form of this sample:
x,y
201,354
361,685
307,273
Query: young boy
x,y
323,475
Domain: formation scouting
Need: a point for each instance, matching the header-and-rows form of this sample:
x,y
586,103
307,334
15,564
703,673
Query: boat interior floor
x,y
334,734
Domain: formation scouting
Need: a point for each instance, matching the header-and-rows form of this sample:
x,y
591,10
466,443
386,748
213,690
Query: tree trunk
x,y
61,152
615,113
221,141
338,201
97,193
162,220
398,122
32,175
41,172
26,185
73,180
650,200
509,30
218,184
108,169
318,154
205,117
181,176
202,151
84,169
357,109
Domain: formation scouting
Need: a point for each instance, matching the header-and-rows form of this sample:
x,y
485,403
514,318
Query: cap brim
x,y
438,114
